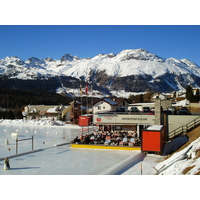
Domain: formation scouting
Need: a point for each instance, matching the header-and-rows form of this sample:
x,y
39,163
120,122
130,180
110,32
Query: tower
x,y
75,112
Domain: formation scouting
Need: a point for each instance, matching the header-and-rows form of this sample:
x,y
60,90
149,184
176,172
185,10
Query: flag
x,y
86,88
80,89
91,89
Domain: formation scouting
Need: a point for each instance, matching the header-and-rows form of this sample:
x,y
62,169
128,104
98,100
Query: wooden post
x,y
32,142
16,145
141,168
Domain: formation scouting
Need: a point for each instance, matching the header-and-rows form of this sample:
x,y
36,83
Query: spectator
x,y
76,140
86,140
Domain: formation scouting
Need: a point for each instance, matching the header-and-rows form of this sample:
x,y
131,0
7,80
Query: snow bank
x,y
183,103
186,161
23,122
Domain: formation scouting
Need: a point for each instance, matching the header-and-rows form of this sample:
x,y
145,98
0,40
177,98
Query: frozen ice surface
x,y
43,136
65,160
52,159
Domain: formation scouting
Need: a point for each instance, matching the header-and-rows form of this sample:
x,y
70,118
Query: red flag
x,y
86,88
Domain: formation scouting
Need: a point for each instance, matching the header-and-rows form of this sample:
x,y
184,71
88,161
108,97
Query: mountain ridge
x,y
133,70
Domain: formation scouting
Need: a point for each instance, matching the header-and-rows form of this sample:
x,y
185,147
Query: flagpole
x,y
86,92
92,106
81,104
81,98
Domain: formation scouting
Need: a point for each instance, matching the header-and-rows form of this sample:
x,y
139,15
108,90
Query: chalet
x,y
110,104
45,112
161,96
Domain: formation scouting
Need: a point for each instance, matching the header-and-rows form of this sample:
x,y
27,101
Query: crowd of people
x,y
122,138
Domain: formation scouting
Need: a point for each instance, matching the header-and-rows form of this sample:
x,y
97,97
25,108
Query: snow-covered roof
x,y
184,102
155,127
53,110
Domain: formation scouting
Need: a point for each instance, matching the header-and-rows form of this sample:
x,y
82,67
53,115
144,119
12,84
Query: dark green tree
x,y
189,94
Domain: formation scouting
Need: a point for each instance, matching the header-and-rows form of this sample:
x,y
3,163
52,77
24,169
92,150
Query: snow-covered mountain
x,y
134,70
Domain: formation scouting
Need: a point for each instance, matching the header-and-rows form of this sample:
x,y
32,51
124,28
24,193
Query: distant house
x,y
161,96
122,102
45,112
110,104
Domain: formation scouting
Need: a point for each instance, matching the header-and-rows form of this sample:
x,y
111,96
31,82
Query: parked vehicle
x,y
184,111
146,109
121,109
134,109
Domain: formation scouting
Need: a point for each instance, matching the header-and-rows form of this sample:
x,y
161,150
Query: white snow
x,y
128,62
183,103
176,164
23,122
155,127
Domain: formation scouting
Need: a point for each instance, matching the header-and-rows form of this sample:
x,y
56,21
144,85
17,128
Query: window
x,y
99,107
104,107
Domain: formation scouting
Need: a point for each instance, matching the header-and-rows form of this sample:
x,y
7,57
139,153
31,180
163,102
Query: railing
x,y
182,130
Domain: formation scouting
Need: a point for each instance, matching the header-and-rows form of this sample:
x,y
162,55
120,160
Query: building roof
x,y
44,108
119,100
113,101
107,100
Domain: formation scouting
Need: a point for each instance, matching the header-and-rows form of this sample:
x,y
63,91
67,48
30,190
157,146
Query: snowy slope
x,y
107,69
187,161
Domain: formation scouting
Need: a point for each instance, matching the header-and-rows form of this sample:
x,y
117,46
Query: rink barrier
x,y
34,151
61,144
86,146
21,154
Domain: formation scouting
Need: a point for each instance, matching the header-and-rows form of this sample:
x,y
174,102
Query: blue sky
x,y
24,41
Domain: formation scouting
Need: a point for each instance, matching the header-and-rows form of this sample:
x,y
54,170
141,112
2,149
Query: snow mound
x,y
186,161
28,122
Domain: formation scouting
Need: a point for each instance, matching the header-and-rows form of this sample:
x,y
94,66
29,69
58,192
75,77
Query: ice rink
x,y
54,158
64,160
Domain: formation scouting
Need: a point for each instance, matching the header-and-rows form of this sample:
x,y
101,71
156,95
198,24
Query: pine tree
x,y
189,94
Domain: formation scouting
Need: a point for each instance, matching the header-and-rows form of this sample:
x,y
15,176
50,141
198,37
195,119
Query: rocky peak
x,y
137,54
69,57
32,60
49,59
12,60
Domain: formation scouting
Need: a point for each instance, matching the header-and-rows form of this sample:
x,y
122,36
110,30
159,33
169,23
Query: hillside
x,y
193,135
185,161
132,70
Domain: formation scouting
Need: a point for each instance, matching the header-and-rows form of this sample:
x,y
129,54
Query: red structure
x,y
85,120
153,139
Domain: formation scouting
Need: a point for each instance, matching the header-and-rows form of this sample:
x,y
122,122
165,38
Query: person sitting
x,y
124,141
76,140
131,142
86,140
108,140
118,139
92,137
